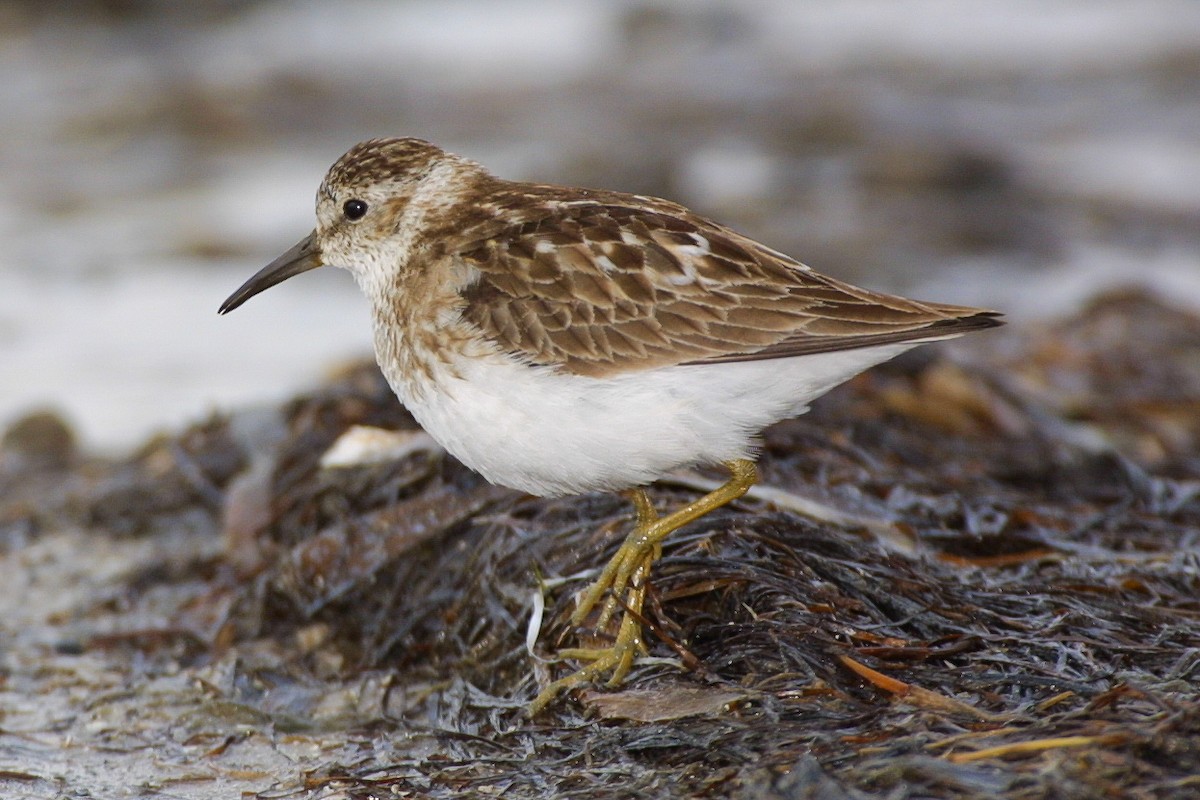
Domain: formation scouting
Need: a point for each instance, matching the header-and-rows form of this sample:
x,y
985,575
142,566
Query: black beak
x,y
301,258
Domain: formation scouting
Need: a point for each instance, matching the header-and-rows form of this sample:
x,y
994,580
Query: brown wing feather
x,y
603,287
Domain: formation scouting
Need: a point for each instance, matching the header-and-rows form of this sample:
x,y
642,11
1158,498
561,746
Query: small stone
x,y
41,440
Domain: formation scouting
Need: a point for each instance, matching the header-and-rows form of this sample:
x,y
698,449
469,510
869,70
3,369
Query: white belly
x,y
551,433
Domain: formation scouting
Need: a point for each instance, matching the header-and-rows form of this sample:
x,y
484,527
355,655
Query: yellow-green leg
x,y
625,577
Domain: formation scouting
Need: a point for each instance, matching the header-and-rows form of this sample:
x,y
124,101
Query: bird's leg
x,y
643,506
640,545
629,569
646,516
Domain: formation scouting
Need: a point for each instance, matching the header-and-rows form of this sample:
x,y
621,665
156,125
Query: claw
x,y
617,659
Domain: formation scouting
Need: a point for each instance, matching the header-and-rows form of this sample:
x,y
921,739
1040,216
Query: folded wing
x,y
600,288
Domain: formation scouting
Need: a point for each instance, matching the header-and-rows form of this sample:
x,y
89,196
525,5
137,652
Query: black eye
x,y
354,209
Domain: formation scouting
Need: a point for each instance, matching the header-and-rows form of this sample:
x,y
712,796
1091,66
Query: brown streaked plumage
x,y
563,340
603,286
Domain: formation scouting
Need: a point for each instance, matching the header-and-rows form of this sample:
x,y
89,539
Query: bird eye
x,y
354,209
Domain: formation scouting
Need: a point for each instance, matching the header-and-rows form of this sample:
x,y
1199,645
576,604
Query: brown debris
x,y
915,695
662,703
1037,636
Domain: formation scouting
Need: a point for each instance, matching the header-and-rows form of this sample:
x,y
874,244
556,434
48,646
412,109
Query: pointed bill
x,y
305,255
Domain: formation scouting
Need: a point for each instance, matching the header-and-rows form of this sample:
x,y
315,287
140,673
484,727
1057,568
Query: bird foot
x,y
624,580
615,660
628,570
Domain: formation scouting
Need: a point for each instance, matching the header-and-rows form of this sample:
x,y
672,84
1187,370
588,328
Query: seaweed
x,y
999,598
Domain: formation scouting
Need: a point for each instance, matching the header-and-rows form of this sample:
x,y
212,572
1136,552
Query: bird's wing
x,y
600,289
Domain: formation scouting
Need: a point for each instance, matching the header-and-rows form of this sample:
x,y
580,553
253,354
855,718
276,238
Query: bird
x,y
561,340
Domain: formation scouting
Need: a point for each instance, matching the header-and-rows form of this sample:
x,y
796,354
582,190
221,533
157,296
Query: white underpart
x,y
549,433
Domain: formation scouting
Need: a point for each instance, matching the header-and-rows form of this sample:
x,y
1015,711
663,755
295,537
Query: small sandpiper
x,y
561,340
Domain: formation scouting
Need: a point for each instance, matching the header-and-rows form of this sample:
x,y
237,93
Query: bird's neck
x,y
420,335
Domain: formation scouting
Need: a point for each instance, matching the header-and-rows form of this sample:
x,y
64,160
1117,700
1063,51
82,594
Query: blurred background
x,y
1021,155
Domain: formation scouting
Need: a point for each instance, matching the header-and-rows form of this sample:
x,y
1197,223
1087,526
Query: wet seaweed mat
x,y
994,591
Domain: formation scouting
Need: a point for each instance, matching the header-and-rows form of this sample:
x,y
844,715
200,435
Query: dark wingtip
x,y
977,322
